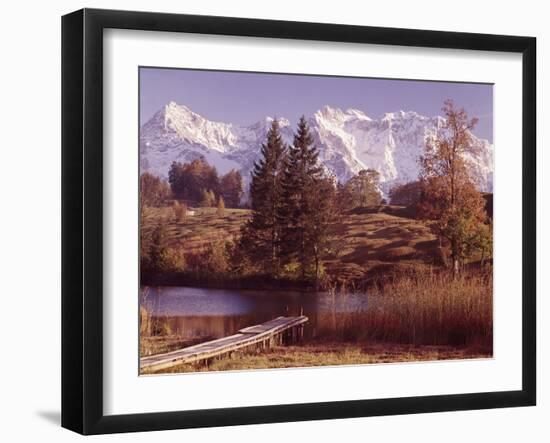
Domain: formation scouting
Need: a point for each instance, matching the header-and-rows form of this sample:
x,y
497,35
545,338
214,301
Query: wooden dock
x,y
280,330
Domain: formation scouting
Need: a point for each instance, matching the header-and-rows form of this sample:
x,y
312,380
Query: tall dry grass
x,y
425,309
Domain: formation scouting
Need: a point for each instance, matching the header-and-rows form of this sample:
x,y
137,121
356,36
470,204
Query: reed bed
x,y
425,309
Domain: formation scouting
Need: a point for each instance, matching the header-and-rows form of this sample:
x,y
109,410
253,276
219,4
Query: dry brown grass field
x,y
330,354
370,242
196,231
367,242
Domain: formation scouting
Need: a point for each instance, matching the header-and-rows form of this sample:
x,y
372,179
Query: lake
x,y
212,313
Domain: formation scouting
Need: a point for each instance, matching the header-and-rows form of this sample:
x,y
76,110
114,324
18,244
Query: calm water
x,y
212,313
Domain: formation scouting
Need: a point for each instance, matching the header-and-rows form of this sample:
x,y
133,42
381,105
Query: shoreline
x,y
264,283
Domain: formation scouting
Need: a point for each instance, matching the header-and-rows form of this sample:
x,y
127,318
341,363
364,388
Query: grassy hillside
x,y
367,242
373,241
197,230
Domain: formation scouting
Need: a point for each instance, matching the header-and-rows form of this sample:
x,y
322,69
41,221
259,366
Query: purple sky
x,y
244,98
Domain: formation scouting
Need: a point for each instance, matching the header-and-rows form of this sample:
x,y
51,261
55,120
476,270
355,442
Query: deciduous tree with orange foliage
x,y
449,194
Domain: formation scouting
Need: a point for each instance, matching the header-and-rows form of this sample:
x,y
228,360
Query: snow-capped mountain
x,y
348,141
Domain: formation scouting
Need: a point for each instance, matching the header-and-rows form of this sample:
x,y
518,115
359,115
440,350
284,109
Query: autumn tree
x,y
152,190
180,211
360,190
449,194
157,249
220,211
364,188
406,194
188,181
481,240
208,198
159,257
260,236
231,188
344,199
209,262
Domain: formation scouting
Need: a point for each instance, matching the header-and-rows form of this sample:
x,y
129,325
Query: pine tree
x,y
260,237
297,215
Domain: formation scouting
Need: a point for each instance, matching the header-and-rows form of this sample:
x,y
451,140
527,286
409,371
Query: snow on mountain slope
x,y
348,141
175,133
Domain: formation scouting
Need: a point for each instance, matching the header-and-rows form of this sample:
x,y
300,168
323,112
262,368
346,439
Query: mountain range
x,y
347,140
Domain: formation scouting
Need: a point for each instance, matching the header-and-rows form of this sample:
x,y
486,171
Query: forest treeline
x,y
295,204
196,183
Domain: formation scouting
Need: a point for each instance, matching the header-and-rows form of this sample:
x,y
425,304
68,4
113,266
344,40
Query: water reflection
x,y
211,313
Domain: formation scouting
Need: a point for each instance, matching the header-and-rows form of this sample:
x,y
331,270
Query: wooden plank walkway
x,y
276,331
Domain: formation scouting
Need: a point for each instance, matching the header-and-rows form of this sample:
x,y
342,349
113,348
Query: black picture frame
x,y
82,218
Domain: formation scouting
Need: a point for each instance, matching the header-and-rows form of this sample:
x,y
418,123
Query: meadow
x,y
418,310
369,244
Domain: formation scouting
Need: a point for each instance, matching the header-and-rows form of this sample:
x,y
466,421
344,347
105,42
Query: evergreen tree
x,y
325,212
260,237
301,201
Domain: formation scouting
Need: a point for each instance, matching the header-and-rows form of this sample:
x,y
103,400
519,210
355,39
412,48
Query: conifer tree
x,y
300,197
325,212
261,235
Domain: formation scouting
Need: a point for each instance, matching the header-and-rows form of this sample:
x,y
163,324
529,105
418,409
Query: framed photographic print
x,y
269,221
